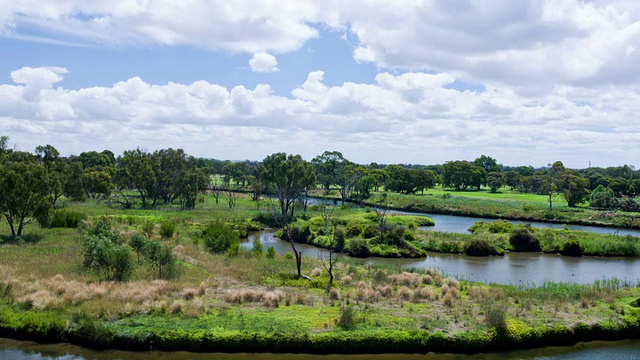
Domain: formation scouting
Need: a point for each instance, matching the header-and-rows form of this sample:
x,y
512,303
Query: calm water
x,y
513,268
20,350
460,224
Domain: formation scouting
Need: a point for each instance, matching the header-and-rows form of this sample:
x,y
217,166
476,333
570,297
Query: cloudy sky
x,y
403,81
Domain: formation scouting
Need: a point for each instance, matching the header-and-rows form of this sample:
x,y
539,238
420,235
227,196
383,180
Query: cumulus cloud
x,y
413,117
263,62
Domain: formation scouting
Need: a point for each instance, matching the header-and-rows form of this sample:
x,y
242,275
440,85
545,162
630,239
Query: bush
x,y
289,255
218,238
353,230
479,247
147,228
358,248
167,228
571,248
257,248
271,252
111,260
500,227
138,243
161,258
523,240
370,231
347,320
65,219
496,316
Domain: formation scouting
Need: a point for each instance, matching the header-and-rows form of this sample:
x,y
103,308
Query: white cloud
x,y
413,117
263,62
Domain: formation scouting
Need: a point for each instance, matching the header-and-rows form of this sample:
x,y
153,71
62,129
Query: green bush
x,y
353,229
571,248
271,252
147,228
257,248
218,238
522,239
500,227
370,231
348,319
160,258
358,247
289,255
479,247
167,229
111,260
234,250
138,243
65,219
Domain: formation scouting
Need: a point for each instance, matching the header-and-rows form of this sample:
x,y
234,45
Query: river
x,y
22,350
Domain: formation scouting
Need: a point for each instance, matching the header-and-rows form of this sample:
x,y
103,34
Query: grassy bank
x,y
495,237
504,205
252,301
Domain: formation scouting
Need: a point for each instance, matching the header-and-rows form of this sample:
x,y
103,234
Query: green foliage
x,y
160,258
496,316
521,239
348,319
358,247
602,198
571,248
167,229
138,243
289,255
353,229
271,252
147,228
257,248
234,249
113,261
65,219
479,247
219,238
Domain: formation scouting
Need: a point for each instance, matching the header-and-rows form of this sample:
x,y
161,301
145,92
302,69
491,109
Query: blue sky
x,y
412,81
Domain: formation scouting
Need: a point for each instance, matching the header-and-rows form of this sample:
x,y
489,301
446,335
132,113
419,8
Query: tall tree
x,y
288,176
136,172
24,194
327,167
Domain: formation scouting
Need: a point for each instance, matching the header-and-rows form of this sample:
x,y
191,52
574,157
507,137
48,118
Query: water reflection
x,y
20,350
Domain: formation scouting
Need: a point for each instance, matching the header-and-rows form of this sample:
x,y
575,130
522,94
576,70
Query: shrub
x,y
334,294
496,316
147,228
370,231
500,227
111,260
289,255
138,243
347,318
218,238
358,248
523,240
257,248
571,248
353,230
234,249
271,252
161,258
478,247
65,219
167,228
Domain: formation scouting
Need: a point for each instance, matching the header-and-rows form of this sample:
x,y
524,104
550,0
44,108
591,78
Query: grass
x,y
215,296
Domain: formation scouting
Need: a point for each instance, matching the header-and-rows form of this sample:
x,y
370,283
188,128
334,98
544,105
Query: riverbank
x,y
48,328
509,208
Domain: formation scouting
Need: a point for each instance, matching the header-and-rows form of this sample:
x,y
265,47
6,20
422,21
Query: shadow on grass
x,y
19,240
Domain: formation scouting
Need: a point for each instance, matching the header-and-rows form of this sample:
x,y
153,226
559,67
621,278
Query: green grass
x,y
254,302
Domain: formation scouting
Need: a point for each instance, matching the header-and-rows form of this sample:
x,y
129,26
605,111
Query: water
x,y
460,224
21,350
513,268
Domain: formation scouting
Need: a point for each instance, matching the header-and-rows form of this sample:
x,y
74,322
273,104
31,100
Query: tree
x,y
495,180
24,194
461,174
409,181
287,176
602,198
488,163
327,167
335,248
98,183
48,155
575,188
136,172
190,185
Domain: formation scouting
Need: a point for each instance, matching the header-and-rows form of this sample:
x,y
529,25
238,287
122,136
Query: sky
x,y
403,81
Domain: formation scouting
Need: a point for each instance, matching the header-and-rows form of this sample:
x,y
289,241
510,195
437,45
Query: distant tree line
x,y
32,184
